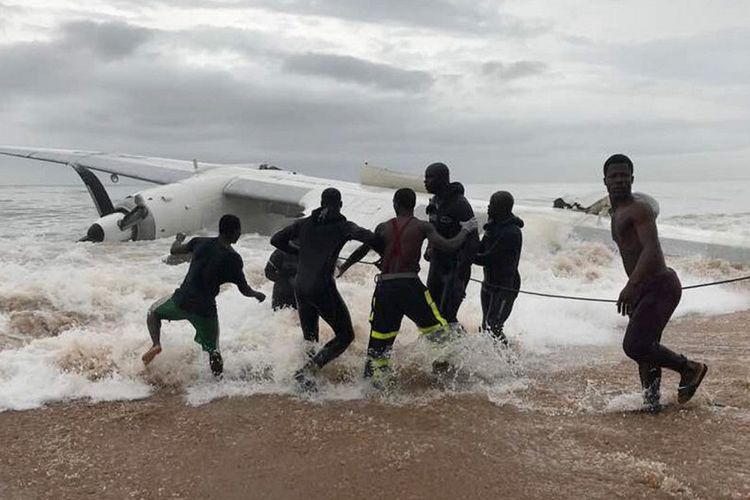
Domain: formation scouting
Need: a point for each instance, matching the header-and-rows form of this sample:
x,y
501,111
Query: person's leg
x,y
485,296
501,307
308,318
423,311
385,321
162,309
207,335
333,311
642,337
454,291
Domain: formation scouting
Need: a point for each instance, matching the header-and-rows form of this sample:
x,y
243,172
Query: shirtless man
x,y
399,291
652,291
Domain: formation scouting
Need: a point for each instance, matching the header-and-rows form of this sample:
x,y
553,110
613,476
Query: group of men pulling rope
x,y
305,263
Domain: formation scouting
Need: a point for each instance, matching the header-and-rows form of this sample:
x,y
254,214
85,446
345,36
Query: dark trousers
x,y
394,299
283,295
656,302
327,304
447,285
497,305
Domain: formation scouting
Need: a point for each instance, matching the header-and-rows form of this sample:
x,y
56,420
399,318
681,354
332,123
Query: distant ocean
x,y
72,315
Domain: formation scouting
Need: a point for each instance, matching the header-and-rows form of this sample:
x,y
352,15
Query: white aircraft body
x,y
191,196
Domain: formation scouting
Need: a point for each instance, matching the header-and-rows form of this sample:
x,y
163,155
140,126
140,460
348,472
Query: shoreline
x,y
458,446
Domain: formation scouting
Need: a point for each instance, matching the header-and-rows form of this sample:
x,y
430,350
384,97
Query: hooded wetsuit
x,y
281,269
320,238
449,273
499,253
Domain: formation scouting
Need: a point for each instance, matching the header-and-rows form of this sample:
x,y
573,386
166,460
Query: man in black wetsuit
x,y
449,273
281,268
653,290
499,253
320,238
399,291
214,262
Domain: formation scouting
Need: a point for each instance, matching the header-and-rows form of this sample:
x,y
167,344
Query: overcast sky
x,y
506,90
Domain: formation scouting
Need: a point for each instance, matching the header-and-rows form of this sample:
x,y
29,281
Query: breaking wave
x,y
72,322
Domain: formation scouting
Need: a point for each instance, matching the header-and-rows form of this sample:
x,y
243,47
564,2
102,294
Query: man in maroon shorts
x,y
652,291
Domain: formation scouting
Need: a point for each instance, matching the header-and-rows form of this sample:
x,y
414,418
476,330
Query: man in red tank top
x,y
399,291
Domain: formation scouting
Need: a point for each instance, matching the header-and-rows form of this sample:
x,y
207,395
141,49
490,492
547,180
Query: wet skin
x,y
634,232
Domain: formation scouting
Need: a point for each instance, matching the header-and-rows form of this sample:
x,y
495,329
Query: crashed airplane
x,y
192,196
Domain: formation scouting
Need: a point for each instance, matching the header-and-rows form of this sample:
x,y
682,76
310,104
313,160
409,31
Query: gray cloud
x,y
131,94
514,70
479,16
352,69
719,58
109,40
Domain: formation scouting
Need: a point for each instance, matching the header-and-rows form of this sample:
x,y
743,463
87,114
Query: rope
x,y
576,297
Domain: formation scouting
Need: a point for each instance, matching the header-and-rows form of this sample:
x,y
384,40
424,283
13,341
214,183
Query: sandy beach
x,y
569,441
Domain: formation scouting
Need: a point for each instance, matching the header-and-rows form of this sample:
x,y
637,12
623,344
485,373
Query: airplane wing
x,y
156,170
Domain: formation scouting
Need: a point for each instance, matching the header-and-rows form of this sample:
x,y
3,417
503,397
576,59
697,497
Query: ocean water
x,y
72,315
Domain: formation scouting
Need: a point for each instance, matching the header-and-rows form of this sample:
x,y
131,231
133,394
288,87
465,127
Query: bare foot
x,y
150,354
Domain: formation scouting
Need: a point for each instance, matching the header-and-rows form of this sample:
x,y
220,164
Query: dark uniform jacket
x,y
320,238
446,213
500,250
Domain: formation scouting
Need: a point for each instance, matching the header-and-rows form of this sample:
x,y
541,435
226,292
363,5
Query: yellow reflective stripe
x,y
434,308
383,336
372,309
379,362
431,329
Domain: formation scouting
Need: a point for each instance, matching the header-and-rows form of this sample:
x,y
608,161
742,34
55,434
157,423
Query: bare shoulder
x,y
641,210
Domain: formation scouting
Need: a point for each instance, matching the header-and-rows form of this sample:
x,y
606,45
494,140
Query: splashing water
x,y
72,319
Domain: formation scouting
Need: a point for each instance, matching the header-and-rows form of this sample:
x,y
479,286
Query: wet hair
x,y
405,198
330,197
617,158
229,224
439,169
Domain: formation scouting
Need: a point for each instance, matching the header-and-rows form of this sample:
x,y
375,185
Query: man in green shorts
x,y
214,263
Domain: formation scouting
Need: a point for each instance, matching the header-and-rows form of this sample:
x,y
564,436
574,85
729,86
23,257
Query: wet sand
x,y
568,438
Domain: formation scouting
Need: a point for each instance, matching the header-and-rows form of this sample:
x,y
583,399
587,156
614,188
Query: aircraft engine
x,y
108,228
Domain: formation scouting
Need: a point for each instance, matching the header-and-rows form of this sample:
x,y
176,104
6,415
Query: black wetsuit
x,y
499,253
657,299
281,269
449,273
320,238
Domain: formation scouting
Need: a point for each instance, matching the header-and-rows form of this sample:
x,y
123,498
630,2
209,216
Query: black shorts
x,y
396,298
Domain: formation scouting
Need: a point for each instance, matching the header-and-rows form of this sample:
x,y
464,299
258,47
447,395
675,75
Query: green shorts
x,y
206,328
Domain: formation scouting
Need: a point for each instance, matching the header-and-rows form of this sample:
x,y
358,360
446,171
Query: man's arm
x,y
241,282
355,257
181,248
360,252
366,236
644,223
282,239
650,258
448,245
